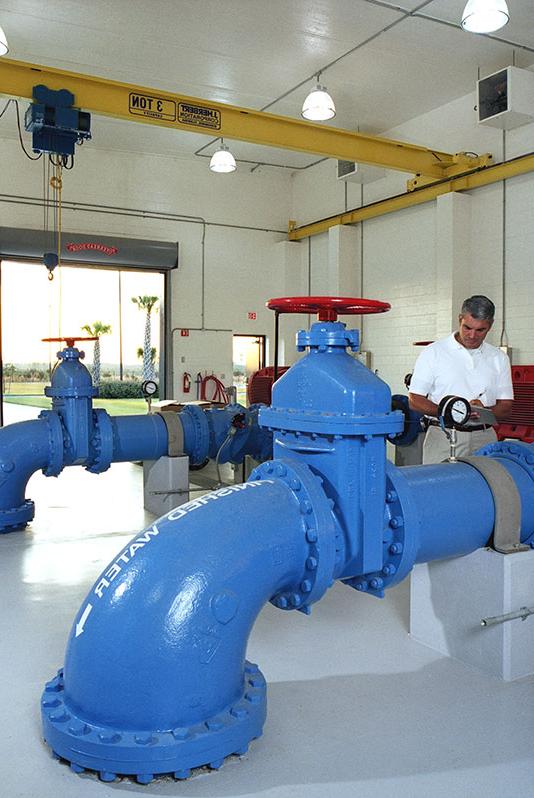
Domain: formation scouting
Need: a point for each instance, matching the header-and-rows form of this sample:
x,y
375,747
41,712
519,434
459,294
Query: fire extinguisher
x,y
186,382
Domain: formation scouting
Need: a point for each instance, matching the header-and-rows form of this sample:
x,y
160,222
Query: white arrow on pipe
x,y
81,623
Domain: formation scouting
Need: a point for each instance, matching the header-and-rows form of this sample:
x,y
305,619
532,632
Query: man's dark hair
x,y
479,307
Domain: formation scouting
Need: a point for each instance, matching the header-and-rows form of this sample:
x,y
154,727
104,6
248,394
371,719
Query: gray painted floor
x,y
356,708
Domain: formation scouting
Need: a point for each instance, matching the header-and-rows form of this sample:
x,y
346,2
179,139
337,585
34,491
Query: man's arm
x,y
501,409
421,404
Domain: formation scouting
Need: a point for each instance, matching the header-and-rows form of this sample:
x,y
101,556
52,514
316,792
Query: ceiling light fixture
x,y
3,43
485,16
318,105
222,160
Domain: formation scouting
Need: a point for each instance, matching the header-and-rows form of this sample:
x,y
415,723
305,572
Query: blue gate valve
x,y
71,390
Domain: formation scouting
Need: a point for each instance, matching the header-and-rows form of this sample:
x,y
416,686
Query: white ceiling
x,y
404,58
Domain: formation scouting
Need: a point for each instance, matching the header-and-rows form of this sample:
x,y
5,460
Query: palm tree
x,y
147,304
141,354
95,331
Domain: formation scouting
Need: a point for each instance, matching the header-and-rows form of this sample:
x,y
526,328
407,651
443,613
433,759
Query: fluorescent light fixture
x,y
485,16
222,160
318,105
3,43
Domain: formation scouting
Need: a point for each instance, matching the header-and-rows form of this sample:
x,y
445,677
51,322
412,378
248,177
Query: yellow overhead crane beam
x,y
174,110
484,177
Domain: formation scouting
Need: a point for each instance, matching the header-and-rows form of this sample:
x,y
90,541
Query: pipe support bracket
x,y
506,537
175,432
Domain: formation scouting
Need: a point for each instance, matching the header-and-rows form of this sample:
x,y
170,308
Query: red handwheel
x,y
68,341
328,307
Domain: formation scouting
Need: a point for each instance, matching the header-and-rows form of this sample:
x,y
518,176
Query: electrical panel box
x,y
506,98
359,172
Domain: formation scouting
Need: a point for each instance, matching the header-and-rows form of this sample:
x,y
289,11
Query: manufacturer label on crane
x,y
199,115
155,107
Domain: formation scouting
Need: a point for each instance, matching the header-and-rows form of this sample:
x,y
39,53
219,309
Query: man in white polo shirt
x,y
463,364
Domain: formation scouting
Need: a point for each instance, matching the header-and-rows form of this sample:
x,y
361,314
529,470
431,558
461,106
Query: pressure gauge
x,y
149,388
455,411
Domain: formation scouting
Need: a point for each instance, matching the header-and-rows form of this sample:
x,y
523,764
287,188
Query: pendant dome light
x,y
318,105
222,160
485,16
3,43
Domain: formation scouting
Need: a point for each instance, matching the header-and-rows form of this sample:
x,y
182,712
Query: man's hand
x,y
475,403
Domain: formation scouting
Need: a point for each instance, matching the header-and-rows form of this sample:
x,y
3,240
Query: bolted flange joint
x,y
397,549
101,442
145,754
318,528
17,517
326,335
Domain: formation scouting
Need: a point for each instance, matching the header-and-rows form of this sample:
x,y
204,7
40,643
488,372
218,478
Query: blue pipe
x,y
25,448
139,438
452,524
73,433
179,602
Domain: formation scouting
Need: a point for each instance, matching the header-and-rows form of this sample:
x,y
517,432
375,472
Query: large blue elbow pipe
x,y
155,677
161,684
24,449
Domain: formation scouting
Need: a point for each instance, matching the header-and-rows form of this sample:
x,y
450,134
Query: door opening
x,y
248,357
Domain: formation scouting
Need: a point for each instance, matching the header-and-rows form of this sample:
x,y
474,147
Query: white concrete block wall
x,y
400,250
319,282
486,249
400,268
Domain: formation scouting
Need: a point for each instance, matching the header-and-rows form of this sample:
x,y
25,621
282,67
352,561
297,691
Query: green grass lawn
x,y
32,395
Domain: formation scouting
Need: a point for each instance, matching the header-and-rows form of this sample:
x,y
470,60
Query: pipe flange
x,y
17,517
318,528
56,443
113,752
202,435
520,453
330,334
398,549
76,392
101,442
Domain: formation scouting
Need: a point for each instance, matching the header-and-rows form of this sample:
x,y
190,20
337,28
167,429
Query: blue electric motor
x,y
56,126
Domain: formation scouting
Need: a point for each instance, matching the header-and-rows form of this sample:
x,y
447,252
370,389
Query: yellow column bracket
x,y
465,163
177,111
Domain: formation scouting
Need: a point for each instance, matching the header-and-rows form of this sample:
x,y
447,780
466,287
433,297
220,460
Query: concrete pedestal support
x,y
449,598
165,484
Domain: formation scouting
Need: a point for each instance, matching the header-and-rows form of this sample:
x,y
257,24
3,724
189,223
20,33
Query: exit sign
x,y
252,315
